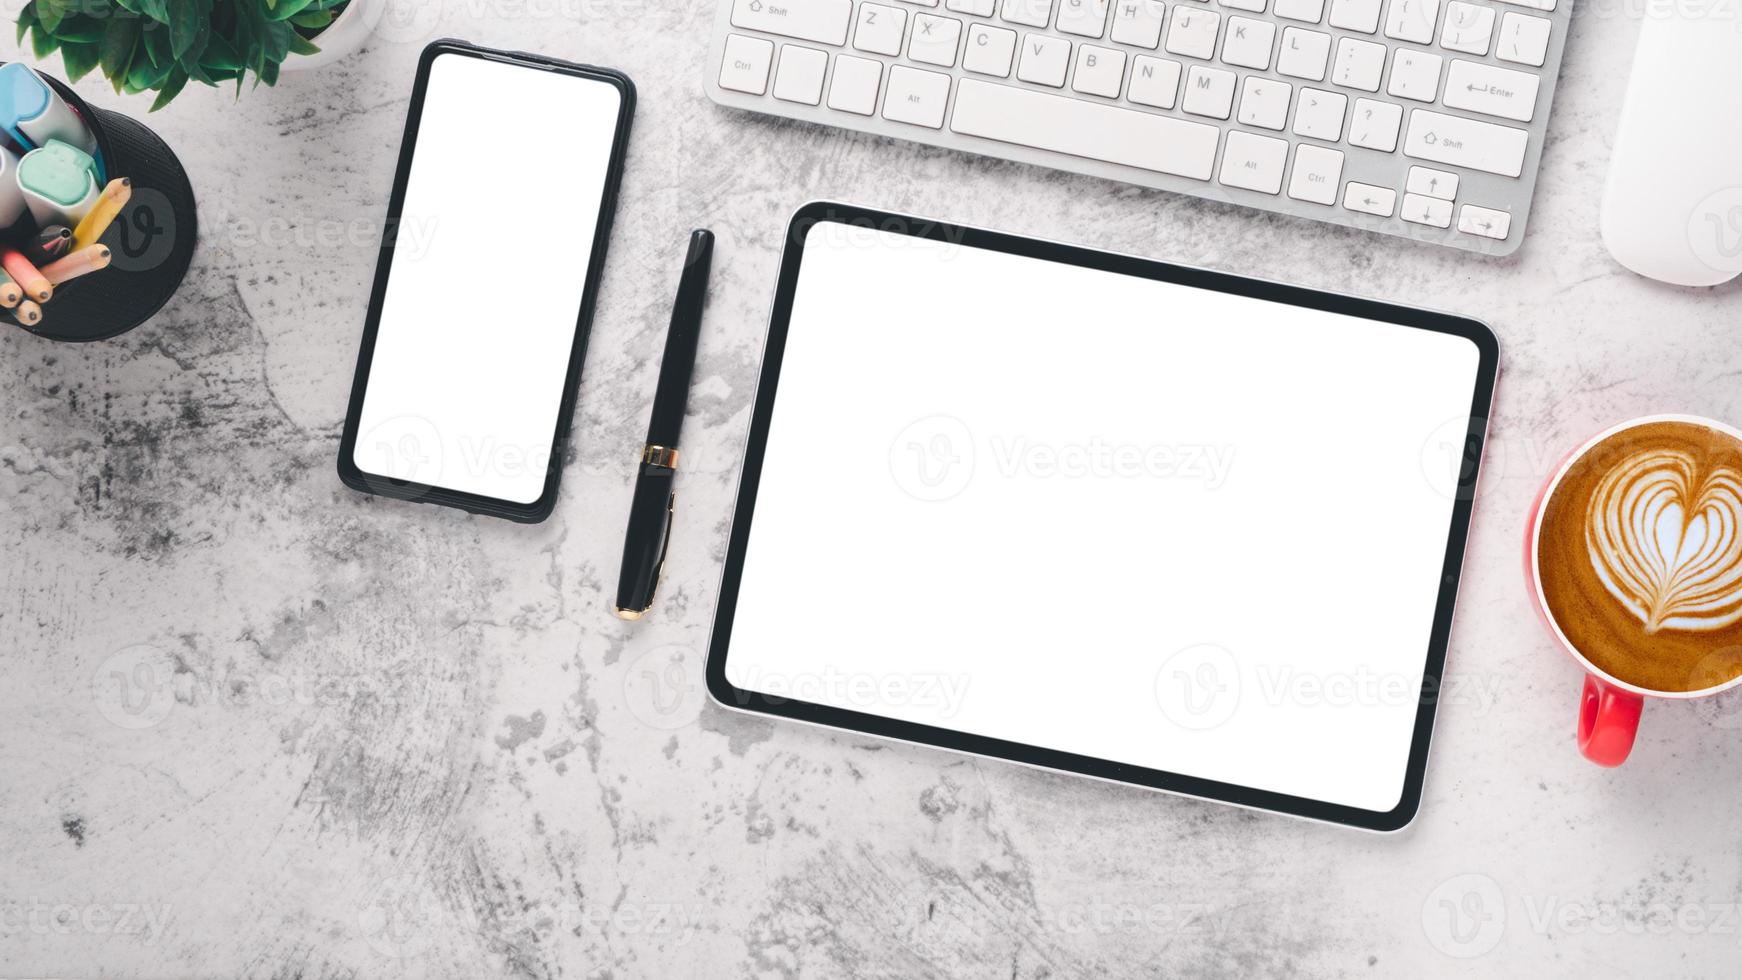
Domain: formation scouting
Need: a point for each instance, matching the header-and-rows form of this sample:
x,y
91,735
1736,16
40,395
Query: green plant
x,y
161,45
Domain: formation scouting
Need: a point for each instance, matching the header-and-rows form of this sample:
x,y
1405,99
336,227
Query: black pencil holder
x,y
151,242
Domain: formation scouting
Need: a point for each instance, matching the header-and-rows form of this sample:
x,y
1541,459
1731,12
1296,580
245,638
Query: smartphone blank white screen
x,y
484,296
1132,520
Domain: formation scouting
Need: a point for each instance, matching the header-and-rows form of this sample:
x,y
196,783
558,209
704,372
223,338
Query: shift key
x,y
823,21
1466,143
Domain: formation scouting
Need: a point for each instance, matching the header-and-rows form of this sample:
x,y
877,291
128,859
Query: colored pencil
x,y
79,263
26,274
10,292
27,314
102,214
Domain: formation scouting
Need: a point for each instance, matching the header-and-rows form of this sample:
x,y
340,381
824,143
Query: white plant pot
x,y
342,37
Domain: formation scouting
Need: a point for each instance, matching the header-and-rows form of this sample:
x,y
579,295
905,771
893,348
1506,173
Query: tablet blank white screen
x,y
480,313
1132,520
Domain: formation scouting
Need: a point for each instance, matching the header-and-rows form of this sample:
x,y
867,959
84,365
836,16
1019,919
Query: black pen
x,y
650,511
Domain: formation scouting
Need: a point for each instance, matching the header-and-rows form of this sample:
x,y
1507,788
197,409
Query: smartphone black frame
x,y
536,511
728,695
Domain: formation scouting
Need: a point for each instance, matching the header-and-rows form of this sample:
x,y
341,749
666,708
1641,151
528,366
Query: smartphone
x,y
484,290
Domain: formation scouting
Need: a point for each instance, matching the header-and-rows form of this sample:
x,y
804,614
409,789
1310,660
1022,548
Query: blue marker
x,y
32,113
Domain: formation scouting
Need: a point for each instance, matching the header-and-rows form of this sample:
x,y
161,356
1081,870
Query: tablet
x,y
1104,515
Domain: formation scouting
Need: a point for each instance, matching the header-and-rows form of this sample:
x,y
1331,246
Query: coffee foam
x,y
1639,555
1667,544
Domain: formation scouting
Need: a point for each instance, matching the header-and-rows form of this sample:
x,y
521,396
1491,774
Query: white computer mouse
x,y
1673,206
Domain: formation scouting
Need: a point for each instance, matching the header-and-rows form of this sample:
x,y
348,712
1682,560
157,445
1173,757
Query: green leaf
x,y
313,20
26,20
286,9
80,59
41,41
302,45
185,24
220,55
172,87
118,45
155,40
49,13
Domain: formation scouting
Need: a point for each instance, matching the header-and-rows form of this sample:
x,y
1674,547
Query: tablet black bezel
x,y
539,509
731,696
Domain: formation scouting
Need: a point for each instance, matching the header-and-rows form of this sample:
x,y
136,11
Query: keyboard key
x,y
917,97
1523,40
922,3
745,66
1248,43
1467,143
1310,11
1317,172
1469,28
1304,54
879,29
1154,82
1485,222
1192,32
1360,64
934,40
800,75
989,50
1375,124
1085,129
1355,15
1044,60
1100,71
824,21
1264,102
1543,5
1319,115
1250,6
1412,20
1030,13
1427,211
1209,92
1084,18
1254,162
1415,75
1429,182
1138,22
854,87
978,8
1491,91
1368,199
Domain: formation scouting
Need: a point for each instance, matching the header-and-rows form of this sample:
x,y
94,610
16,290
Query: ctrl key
x,y
745,66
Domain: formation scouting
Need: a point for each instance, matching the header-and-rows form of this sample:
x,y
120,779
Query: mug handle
x,y
1608,720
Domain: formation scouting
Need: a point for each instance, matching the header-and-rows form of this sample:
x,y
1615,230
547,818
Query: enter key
x,y
1491,91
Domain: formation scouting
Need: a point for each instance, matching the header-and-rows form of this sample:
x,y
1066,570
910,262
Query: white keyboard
x,y
1419,118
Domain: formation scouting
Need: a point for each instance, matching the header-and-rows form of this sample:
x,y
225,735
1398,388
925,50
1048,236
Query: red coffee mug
x,y
1609,707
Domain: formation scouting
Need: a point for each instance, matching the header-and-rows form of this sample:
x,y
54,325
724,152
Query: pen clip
x,y
664,548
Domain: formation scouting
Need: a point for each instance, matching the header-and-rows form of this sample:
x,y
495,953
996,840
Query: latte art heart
x,y
1667,545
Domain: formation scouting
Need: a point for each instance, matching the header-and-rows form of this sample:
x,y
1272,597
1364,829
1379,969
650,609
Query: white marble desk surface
x,y
409,742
